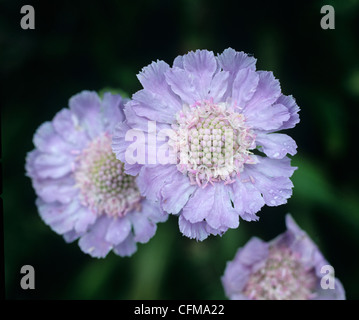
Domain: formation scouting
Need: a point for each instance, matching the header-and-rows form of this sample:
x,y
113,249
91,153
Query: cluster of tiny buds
x,y
104,187
212,142
282,277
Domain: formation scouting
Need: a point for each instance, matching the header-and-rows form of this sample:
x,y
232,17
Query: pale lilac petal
x,y
268,118
153,211
118,230
62,189
86,106
127,247
275,167
152,178
112,110
201,65
154,82
53,165
178,62
198,230
85,218
247,199
60,217
199,205
267,92
222,214
93,242
254,252
153,107
66,124
183,85
71,236
47,140
275,190
276,145
233,61
176,193
29,164
293,109
244,86
234,279
143,228
219,86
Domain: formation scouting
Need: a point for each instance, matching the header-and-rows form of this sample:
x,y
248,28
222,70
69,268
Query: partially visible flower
x,y
222,115
82,189
287,268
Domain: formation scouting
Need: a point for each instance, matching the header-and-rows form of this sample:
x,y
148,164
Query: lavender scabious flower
x,y
290,267
83,192
216,116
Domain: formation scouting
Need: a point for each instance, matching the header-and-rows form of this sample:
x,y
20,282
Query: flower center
x,y
282,278
104,187
212,142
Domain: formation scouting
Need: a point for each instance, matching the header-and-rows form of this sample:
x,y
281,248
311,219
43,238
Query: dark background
x,y
100,45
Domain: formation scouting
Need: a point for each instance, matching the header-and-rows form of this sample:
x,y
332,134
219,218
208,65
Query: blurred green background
x,y
104,44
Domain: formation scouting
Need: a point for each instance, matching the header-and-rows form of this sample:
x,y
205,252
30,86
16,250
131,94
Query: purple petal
x,y
86,106
152,178
66,124
244,86
183,85
275,189
267,92
254,252
199,205
276,145
52,165
234,279
112,111
85,218
118,230
71,236
48,141
153,107
222,214
199,230
154,82
293,109
266,118
152,211
126,248
176,193
143,228
60,217
93,242
219,86
62,189
201,65
233,61
247,200
275,167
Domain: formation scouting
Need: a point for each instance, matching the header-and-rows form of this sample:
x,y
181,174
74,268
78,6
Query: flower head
x,y
216,117
83,191
286,268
